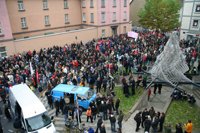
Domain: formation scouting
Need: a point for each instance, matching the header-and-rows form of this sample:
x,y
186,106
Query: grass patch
x,y
126,104
180,112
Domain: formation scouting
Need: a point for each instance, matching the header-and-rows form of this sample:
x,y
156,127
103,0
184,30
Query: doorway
x,y
114,30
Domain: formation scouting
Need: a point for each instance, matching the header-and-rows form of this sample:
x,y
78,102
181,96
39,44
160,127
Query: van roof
x,y
28,101
71,89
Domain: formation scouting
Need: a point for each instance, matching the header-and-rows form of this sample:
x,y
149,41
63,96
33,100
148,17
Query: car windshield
x,y
37,122
89,93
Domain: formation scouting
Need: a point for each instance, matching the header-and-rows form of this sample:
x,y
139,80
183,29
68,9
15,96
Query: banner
x,y
132,34
31,69
37,76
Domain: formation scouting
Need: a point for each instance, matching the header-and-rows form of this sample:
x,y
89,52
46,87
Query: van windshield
x,y
89,93
37,122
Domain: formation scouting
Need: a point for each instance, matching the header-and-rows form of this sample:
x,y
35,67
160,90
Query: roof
x,y
28,101
71,89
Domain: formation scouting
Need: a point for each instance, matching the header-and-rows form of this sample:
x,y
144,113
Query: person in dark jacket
x,y
120,119
7,113
94,109
117,106
145,114
179,128
126,90
98,85
65,112
159,88
50,101
132,86
98,100
152,113
17,125
155,124
138,120
57,104
62,103
102,129
105,112
99,122
112,122
155,88
104,83
101,107
161,120
147,123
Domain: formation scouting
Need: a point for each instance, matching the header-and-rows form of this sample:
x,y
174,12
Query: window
x,y
197,8
195,23
91,3
114,3
125,15
84,17
114,16
125,2
92,17
66,18
45,4
1,32
3,51
103,33
83,3
46,20
103,17
102,3
23,21
20,5
65,4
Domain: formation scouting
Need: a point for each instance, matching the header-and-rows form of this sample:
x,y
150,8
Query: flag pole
x,y
77,106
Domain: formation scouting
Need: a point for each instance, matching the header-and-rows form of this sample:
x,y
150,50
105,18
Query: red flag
x,y
97,48
64,48
194,53
151,32
37,76
33,81
159,35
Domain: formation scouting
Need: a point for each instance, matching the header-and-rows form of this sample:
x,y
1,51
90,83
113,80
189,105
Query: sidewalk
x,y
158,101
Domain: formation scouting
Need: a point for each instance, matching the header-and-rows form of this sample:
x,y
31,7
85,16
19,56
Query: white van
x,y
34,116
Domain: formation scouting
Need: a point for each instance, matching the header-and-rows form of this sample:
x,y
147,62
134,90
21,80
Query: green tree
x,y
160,14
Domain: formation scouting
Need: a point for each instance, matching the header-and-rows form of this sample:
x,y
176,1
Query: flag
x,y
97,48
37,76
31,69
151,32
159,35
33,81
64,48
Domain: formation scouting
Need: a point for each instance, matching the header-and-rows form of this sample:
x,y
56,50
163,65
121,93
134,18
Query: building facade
x,y
45,23
190,21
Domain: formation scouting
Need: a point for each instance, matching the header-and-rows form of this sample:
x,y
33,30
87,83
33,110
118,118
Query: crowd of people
x,y
156,120
183,95
95,63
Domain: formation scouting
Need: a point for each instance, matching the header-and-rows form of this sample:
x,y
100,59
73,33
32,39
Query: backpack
x,y
135,118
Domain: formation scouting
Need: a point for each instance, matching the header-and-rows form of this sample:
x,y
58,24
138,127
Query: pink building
x,y
6,38
45,23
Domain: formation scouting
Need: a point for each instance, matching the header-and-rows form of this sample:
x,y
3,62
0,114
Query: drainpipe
x,y
119,18
81,14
